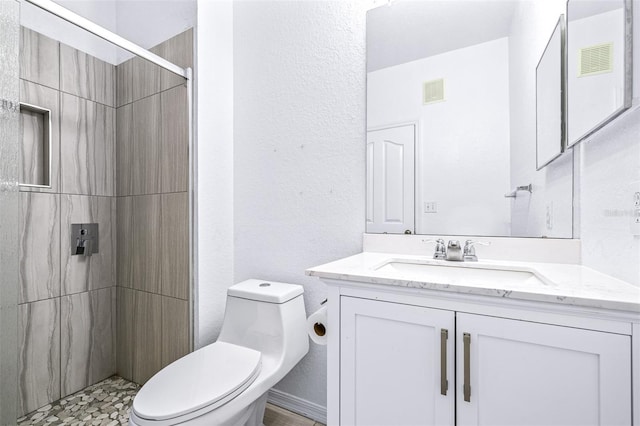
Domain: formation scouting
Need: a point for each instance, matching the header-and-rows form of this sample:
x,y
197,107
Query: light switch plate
x,y
430,207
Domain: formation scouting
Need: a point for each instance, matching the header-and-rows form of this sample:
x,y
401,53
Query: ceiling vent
x,y
596,59
433,91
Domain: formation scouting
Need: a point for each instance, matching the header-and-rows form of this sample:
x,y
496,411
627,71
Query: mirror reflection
x,y
451,121
599,52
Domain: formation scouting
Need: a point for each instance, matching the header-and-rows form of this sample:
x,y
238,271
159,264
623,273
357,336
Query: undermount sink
x,y
459,273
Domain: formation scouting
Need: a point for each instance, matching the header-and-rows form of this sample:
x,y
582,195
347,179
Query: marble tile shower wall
x,y
152,212
67,304
124,310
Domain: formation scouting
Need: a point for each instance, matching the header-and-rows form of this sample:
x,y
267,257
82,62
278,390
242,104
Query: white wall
x,y
610,174
532,25
214,77
299,130
462,146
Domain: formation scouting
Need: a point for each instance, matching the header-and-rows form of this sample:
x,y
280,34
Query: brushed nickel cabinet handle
x,y
444,383
466,338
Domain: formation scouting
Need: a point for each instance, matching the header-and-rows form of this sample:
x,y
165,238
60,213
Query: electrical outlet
x,y
549,216
635,209
635,222
430,207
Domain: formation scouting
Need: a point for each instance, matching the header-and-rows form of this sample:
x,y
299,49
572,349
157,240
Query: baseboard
x,y
298,405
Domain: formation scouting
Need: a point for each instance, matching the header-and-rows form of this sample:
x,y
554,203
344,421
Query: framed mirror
x,y
550,105
599,64
451,120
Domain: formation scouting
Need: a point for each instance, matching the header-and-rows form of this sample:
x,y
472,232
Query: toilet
x,y
263,337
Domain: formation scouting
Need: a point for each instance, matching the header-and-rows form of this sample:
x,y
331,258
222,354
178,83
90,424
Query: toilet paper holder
x,y
319,328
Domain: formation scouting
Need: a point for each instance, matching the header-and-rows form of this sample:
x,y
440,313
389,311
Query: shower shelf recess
x,y
35,123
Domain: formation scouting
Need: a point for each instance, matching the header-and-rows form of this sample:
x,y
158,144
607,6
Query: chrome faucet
x,y
469,252
454,251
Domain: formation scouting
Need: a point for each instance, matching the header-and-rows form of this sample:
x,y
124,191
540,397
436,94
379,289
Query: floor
x,y
107,404
276,416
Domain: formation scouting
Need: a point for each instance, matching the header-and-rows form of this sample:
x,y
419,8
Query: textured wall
x,y
299,125
215,184
609,175
531,28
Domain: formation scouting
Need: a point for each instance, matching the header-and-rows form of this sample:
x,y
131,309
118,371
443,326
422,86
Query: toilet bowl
x,y
263,337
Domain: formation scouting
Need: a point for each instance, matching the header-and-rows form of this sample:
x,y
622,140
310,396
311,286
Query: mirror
x,y
550,106
599,64
451,120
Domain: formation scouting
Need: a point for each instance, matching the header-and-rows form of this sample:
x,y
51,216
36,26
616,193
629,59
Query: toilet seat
x,y
204,379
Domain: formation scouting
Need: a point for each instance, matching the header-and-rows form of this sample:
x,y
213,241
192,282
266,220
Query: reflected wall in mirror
x,y
599,64
550,92
462,73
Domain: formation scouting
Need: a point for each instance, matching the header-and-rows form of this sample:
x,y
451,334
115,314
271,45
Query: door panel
x,y
391,364
524,373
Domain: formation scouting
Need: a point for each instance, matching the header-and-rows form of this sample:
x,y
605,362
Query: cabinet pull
x,y
444,383
466,338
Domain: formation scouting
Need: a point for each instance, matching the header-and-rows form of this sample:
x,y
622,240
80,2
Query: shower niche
x,y
35,127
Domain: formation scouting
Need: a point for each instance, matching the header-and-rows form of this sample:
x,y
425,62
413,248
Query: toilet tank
x,y
267,316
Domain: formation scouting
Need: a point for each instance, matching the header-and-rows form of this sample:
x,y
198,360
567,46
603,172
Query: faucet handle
x,y
469,251
441,251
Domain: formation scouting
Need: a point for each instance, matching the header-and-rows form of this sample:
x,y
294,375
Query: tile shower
x,y
119,158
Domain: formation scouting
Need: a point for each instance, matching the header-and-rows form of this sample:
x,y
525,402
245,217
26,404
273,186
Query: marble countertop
x,y
554,282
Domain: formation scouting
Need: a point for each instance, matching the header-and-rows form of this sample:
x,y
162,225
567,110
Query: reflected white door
x,y
390,180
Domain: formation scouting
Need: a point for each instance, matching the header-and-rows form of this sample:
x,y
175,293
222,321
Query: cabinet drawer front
x,y
523,373
391,366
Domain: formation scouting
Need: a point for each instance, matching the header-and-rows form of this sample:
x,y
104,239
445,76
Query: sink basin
x,y
462,274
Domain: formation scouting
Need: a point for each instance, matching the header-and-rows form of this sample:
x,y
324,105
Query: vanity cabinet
x,y
526,373
404,364
393,356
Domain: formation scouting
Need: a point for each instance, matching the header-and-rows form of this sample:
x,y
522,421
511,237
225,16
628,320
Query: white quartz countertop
x,y
551,282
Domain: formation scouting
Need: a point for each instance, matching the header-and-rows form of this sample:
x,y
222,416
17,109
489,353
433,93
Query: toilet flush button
x,y
265,285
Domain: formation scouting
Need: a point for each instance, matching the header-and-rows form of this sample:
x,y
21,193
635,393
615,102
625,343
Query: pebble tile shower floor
x,y
106,403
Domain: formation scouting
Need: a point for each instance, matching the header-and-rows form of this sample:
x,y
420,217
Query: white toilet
x,y
262,338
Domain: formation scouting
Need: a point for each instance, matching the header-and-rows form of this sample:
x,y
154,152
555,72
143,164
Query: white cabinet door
x,y
390,180
391,369
523,373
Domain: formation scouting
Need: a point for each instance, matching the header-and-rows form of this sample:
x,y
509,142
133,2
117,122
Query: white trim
x,y
297,405
107,35
635,374
193,223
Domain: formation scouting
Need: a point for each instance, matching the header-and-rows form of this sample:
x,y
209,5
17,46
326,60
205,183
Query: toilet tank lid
x,y
265,291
